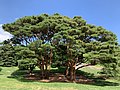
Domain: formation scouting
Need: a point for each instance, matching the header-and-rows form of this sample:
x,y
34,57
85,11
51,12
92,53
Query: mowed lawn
x,y
7,83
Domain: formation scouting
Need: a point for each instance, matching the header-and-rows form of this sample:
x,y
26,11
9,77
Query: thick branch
x,y
82,65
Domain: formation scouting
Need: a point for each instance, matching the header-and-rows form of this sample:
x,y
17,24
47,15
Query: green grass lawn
x,y
7,83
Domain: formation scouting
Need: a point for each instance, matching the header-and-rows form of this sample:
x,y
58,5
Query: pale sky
x,y
4,35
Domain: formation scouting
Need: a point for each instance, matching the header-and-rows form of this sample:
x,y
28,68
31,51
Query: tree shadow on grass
x,y
81,77
24,76
95,80
19,75
0,71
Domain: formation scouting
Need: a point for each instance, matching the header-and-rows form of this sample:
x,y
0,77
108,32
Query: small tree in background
x,y
7,55
26,58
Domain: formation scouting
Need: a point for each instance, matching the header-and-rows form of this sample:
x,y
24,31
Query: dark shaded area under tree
x,y
56,75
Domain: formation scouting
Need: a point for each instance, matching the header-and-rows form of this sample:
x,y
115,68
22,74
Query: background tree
x,y
26,58
7,55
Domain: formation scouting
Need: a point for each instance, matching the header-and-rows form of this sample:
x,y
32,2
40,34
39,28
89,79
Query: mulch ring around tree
x,y
58,77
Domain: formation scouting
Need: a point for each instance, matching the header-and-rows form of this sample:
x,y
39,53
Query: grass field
x,y
7,83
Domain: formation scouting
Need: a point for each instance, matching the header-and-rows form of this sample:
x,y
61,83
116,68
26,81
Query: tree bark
x,y
42,68
67,71
72,71
46,69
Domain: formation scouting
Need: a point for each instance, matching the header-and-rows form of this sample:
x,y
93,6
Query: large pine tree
x,y
74,41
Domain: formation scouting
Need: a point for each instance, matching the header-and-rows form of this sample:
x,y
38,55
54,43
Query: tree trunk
x,y
42,69
67,71
72,71
46,70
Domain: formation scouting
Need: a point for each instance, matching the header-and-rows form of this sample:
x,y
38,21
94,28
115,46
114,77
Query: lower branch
x,y
81,66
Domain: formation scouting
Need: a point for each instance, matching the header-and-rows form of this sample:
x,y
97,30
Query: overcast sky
x,y
104,13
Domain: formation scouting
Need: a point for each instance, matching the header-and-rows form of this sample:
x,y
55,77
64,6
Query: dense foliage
x,y
63,41
26,58
7,55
